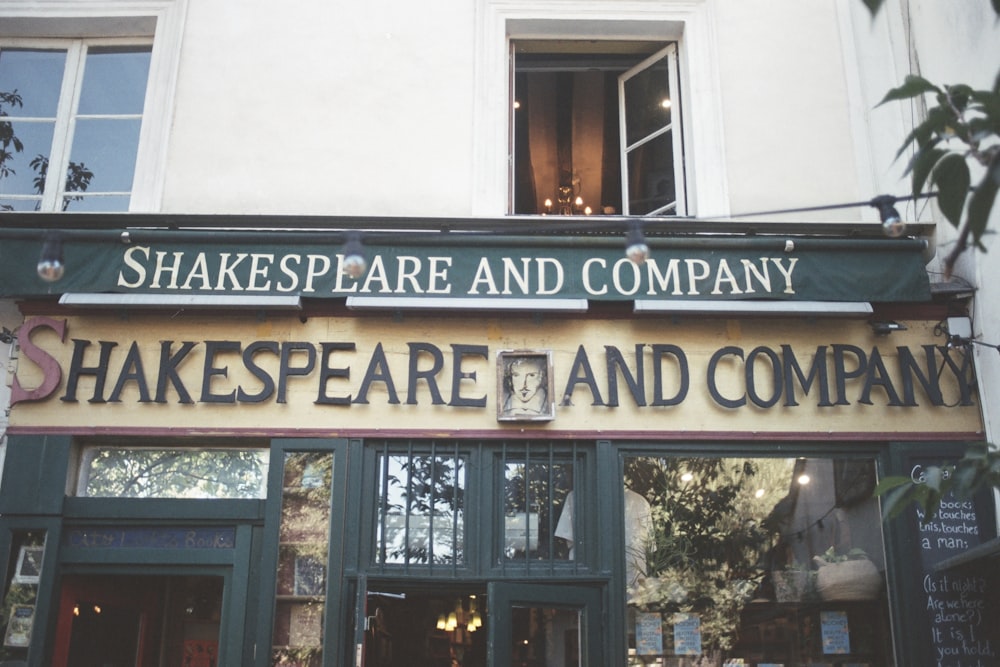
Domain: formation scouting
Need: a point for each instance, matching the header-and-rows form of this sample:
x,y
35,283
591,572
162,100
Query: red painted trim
x,y
509,434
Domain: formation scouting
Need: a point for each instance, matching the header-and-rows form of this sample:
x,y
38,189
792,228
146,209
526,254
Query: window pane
x,y
421,509
113,472
105,149
539,521
303,553
97,203
647,101
651,175
728,558
114,81
37,78
22,171
21,593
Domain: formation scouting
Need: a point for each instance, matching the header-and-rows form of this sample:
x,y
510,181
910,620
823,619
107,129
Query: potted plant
x,y
849,576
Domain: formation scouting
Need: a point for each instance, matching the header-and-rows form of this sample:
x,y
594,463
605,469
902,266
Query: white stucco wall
x,y
963,46
368,108
334,108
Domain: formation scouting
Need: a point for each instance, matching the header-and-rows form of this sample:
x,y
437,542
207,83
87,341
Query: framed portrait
x,y
29,565
525,386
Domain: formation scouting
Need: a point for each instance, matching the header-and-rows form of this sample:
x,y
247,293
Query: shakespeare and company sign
x,y
385,374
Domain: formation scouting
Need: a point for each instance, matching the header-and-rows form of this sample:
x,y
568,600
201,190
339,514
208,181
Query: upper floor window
x,y
72,111
596,128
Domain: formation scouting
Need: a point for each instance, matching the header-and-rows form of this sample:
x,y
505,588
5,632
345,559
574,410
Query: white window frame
x,y
24,22
689,22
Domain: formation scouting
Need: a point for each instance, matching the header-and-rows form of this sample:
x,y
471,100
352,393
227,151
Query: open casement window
x,y
72,112
596,128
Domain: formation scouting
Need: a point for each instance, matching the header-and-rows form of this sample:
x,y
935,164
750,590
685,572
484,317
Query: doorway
x,y
545,625
426,627
133,621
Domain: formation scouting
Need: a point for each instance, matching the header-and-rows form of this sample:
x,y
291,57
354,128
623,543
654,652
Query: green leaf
x,y
898,499
913,86
951,174
887,484
958,95
874,5
981,202
921,165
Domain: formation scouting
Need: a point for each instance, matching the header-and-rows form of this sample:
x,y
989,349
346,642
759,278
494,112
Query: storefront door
x,y
128,621
544,626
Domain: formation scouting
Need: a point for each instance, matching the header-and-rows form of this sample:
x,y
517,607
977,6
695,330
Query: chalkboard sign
x,y
962,603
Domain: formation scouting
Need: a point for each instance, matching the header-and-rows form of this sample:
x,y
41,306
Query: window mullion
x,y
62,136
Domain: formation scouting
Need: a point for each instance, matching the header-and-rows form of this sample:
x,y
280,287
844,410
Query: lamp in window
x,y
50,263
567,202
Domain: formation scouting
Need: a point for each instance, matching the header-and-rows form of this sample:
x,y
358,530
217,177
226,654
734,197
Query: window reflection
x,y
421,509
728,559
95,155
303,552
149,472
539,520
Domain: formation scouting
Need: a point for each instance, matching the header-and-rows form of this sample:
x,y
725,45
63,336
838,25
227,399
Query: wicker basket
x,y
857,579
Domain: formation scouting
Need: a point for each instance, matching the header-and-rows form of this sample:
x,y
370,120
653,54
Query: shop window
x,y
596,127
421,508
21,593
754,561
538,500
73,110
303,554
181,472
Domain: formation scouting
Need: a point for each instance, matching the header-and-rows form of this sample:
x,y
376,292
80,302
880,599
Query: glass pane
x,y
114,81
103,155
647,101
546,637
303,553
96,203
19,205
37,78
24,150
421,507
651,183
728,559
539,520
111,472
19,601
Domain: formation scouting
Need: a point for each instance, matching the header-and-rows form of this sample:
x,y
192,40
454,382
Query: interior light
x,y
803,480
442,623
50,262
892,223
517,105
635,245
355,263
76,610
759,493
665,103
97,609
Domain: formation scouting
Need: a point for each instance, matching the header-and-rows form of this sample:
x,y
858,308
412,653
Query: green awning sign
x,y
704,269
